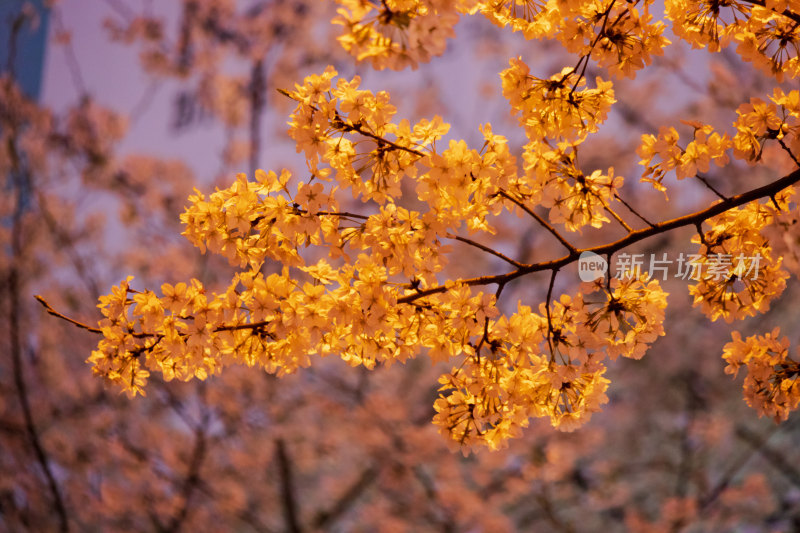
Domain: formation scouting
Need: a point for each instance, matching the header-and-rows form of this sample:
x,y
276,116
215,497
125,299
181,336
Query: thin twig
x,y
121,9
324,519
710,187
257,103
617,218
776,459
540,220
632,210
702,235
547,310
289,502
358,128
69,52
587,55
485,249
66,241
786,13
55,313
706,501
789,151
192,479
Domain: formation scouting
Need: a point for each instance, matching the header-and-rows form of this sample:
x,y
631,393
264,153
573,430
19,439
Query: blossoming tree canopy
x,y
372,284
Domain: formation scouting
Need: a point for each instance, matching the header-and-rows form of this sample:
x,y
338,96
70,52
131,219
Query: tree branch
x,y
710,187
192,479
290,509
540,220
691,219
706,501
485,249
776,459
257,103
632,210
15,310
56,314
358,128
323,519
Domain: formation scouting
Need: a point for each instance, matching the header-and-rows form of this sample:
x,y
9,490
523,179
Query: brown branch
x,y
691,219
686,462
288,500
485,249
550,512
632,210
69,53
15,310
349,126
776,459
710,187
55,313
344,214
192,479
66,241
540,220
706,501
789,151
547,310
323,519
617,217
23,396
445,522
257,103
587,55
51,311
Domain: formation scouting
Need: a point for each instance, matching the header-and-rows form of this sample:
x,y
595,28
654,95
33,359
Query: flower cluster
x,y
772,384
759,121
548,364
397,33
767,34
574,199
707,146
555,108
620,36
737,233
625,317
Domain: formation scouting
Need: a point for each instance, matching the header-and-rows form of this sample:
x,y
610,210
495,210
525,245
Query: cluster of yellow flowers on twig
x,y
369,286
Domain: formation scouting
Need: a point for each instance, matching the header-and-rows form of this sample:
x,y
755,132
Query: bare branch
x,y
710,187
547,310
325,518
540,220
290,509
789,151
192,479
15,309
632,210
617,218
257,103
759,444
55,313
485,249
